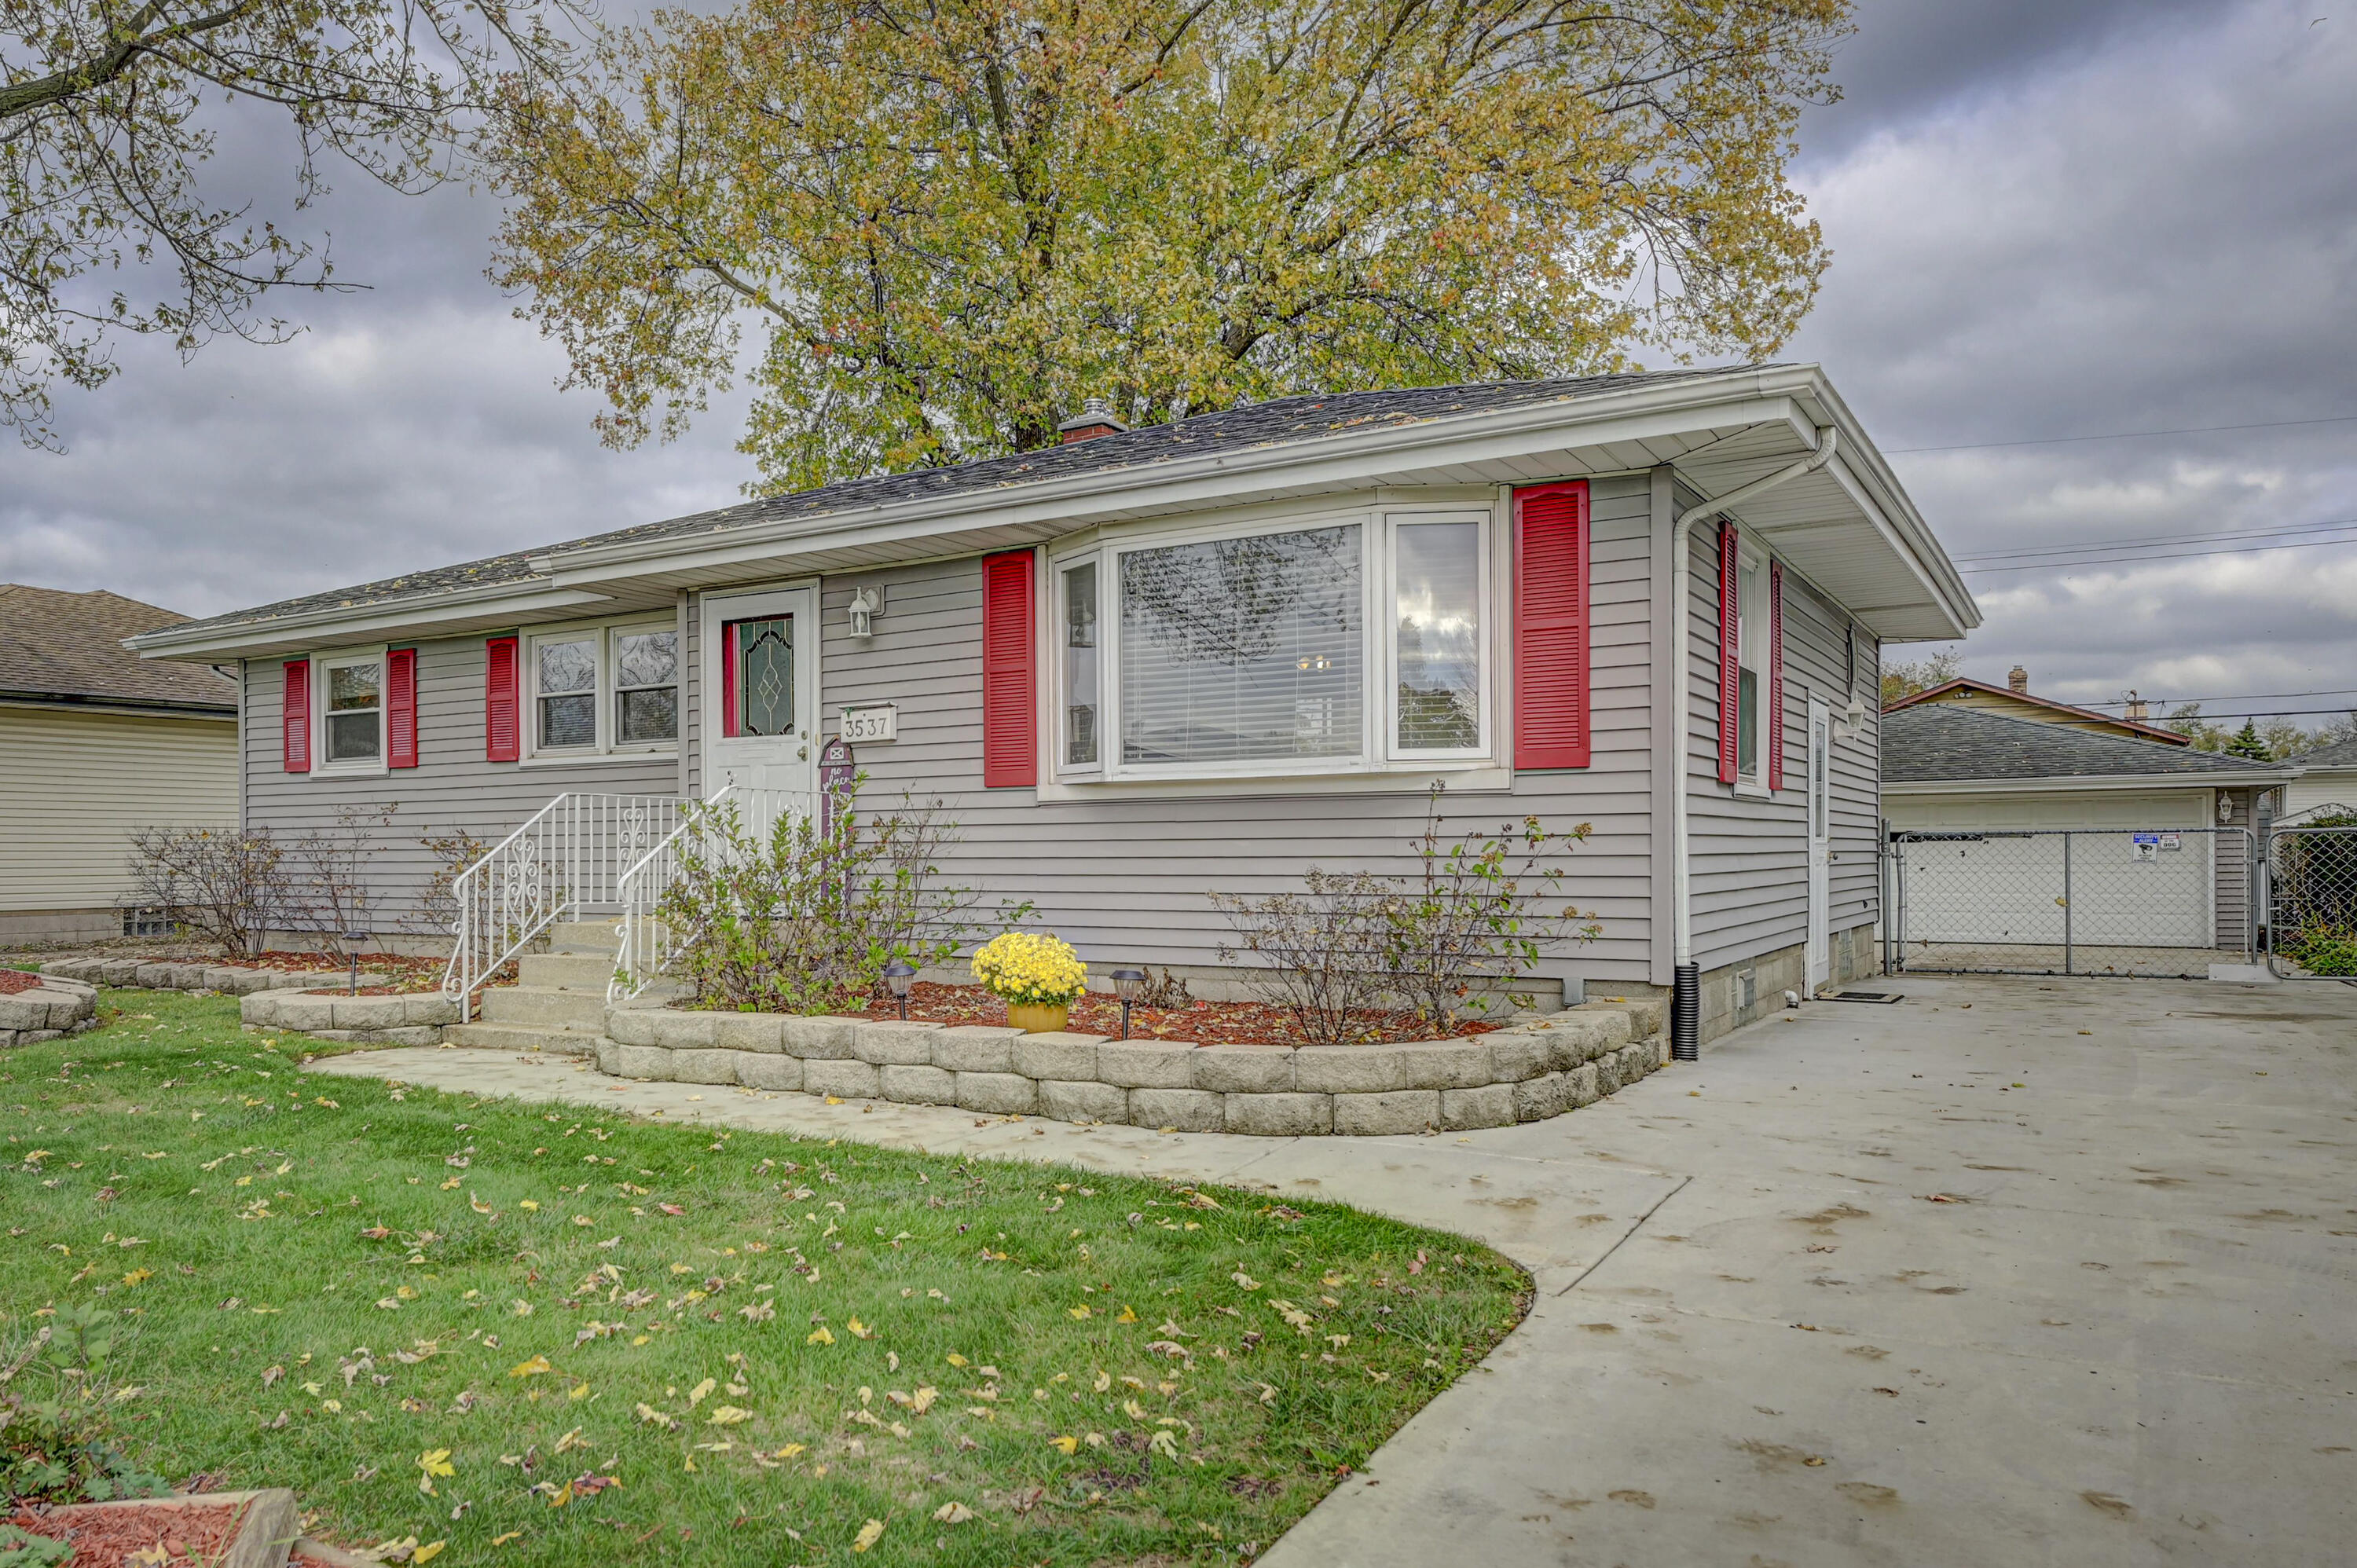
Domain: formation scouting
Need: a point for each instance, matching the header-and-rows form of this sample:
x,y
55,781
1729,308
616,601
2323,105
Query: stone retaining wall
x,y
414,1019
155,975
1541,1067
55,1008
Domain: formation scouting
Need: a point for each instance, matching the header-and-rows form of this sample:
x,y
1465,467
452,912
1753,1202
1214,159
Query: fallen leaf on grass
x,y
503,1540
726,1415
695,1396
819,1336
953,1513
428,1552
869,1534
531,1369
434,1461
1067,1446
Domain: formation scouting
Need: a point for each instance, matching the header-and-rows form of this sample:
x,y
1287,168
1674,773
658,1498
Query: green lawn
x,y
766,1342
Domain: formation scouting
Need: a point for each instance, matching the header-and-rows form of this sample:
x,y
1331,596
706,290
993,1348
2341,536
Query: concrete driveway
x,y
2017,1271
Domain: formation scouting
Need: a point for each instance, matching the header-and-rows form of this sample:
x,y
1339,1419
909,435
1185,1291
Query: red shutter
x,y
1010,705
295,717
1550,630
728,721
503,726
1775,674
1730,651
401,708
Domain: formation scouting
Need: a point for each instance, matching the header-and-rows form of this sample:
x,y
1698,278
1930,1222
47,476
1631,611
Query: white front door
x,y
760,696
1821,750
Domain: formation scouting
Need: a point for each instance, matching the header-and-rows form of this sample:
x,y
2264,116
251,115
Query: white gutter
x,y
1682,679
2075,784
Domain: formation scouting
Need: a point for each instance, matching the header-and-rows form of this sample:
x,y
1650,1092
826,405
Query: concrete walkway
x,y
2129,1337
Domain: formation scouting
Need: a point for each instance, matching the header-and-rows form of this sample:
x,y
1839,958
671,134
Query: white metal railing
x,y
647,946
568,859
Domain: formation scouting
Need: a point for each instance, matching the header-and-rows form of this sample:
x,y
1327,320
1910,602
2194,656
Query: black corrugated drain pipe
x,y
1685,1013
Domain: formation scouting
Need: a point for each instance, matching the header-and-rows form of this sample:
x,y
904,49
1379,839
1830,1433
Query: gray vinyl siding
x,y
1750,863
452,787
1127,878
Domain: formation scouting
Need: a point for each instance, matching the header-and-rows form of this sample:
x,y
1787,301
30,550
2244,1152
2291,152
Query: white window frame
x,y
604,636
320,665
1387,597
1375,762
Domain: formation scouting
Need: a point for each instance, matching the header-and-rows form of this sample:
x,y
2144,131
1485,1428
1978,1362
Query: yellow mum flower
x,y
1030,967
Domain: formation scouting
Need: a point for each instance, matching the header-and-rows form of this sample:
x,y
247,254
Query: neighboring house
x,y
1151,664
1954,769
2327,777
2014,700
96,743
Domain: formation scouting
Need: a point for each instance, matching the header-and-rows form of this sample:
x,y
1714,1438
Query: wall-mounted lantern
x,y
866,604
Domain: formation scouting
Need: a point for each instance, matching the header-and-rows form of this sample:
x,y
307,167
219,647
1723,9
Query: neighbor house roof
x,y
1955,744
1846,525
2040,708
61,647
2339,754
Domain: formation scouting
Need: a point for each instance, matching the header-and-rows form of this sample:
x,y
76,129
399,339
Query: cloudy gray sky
x,y
2048,219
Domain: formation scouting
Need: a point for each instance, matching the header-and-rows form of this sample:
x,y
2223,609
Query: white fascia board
x,y
2065,785
412,616
1214,478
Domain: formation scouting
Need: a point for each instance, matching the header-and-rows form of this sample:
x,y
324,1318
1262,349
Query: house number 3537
x,y
870,724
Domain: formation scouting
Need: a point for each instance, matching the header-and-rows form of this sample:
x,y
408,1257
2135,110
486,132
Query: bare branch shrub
x,y
327,887
453,853
228,886
1319,954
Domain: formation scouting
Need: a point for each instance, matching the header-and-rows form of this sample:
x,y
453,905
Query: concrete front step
x,y
511,1037
567,971
543,1007
586,937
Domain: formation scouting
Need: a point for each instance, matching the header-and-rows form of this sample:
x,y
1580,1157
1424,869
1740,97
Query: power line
x,y
2238,697
2260,531
2139,560
2123,436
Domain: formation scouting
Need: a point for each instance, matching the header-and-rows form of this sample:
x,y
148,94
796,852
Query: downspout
x,y
1685,986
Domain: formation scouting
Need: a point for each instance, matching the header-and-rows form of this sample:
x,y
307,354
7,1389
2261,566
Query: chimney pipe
x,y
1095,419
2018,678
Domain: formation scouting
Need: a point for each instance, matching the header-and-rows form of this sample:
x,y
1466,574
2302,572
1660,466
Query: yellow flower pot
x,y
1038,1017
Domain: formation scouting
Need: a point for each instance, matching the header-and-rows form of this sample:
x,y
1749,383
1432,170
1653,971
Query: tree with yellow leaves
x,y
946,223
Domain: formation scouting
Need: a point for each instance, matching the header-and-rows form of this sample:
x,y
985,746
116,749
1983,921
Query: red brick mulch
x,y
106,1537
1203,1023
15,980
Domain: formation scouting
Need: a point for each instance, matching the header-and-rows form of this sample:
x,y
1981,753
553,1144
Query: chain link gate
x,y
2157,904
2311,882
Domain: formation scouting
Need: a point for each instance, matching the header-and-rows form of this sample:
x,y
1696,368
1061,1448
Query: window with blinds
x,y
1243,650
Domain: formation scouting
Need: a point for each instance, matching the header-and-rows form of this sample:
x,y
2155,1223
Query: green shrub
x,y
54,1445
2322,949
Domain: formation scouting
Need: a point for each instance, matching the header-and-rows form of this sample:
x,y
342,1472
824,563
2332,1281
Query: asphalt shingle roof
x,y
1938,744
2339,754
68,647
1277,423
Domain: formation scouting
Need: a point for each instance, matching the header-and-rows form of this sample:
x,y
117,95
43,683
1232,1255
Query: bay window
x,y
1358,644
600,689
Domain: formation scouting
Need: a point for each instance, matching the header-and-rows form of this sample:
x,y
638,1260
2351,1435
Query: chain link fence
x,y
2165,903
2311,897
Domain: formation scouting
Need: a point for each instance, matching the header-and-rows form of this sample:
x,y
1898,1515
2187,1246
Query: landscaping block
x,y
1575,1038
608,1056
749,1032
850,1080
1350,1070
219,978
898,1045
1146,1064
1280,1115
1394,1111
431,1009
1491,1105
297,1011
976,1048
822,1039
999,1093
1183,1110
1074,1101
1242,1069
1445,1064
681,1031
769,1070
703,1066
1645,1017
633,1025
120,972
649,1063
1536,1099
23,1012
918,1085
1609,1077
1514,1058
1581,1086
1065,1056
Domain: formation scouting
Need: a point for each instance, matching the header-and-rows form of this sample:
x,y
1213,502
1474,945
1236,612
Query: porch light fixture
x,y
1131,985
897,978
1854,718
866,604
352,950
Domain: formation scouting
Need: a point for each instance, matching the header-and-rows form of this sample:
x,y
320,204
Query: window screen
x,y
568,692
646,687
355,712
1244,649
